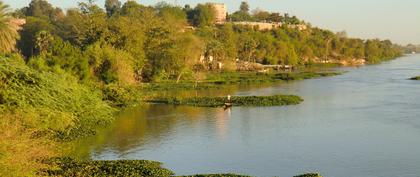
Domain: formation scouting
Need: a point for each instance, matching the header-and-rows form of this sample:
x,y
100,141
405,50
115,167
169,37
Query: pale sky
x,y
397,20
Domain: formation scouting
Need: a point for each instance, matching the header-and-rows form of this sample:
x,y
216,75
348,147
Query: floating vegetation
x,y
415,78
276,100
72,167
309,175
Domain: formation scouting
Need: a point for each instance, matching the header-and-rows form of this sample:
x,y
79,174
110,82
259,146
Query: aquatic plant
x,y
72,167
275,100
415,78
309,175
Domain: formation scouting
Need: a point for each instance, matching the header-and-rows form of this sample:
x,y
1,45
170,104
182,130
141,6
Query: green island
x,y
65,73
275,100
415,78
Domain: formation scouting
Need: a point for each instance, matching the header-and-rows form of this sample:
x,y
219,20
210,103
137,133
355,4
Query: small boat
x,y
413,52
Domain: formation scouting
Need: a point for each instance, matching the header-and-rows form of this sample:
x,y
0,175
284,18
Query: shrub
x,y
53,103
122,96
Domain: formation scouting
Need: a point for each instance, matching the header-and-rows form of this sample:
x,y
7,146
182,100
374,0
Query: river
x,y
364,123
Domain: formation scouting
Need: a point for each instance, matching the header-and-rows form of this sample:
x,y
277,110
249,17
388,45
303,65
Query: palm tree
x,y
8,30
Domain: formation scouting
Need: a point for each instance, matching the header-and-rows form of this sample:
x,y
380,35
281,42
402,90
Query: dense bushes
x,y
122,96
51,102
276,100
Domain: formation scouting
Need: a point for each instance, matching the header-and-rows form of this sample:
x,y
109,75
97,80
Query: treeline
x,y
130,43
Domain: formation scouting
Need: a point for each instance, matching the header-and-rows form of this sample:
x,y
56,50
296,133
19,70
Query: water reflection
x,y
150,125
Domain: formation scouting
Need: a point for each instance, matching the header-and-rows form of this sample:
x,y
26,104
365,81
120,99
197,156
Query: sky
x,y
397,20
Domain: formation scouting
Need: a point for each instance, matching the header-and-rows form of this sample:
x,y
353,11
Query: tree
x,y
27,43
244,7
242,14
112,7
43,9
202,15
8,30
261,15
43,40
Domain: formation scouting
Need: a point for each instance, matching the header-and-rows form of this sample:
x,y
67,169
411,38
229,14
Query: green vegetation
x,y
276,100
8,30
310,175
118,44
52,103
415,78
241,78
64,73
135,168
218,175
71,167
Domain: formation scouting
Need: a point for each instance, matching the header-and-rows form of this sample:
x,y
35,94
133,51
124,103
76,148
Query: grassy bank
x,y
276,100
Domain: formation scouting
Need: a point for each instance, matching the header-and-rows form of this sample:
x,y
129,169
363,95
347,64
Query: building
x,y
220,12
260,25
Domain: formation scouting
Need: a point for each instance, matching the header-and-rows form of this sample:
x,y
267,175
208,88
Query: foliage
x,y
42,9
202,15
55,103
33,26
8,30
122,96
276,100
140,168
154,43
112,7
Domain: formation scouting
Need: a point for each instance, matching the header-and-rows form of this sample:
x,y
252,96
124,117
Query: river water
x,y
364,123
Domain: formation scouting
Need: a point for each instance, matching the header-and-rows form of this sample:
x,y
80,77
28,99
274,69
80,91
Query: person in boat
x,y
229,101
